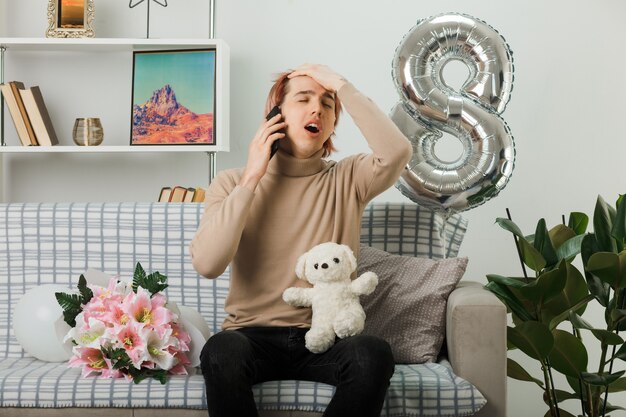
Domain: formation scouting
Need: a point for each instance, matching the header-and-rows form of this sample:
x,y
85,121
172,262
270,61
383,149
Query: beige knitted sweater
x,y
298,204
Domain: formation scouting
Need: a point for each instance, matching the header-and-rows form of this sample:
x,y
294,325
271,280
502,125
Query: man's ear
x,y
350,257
301,266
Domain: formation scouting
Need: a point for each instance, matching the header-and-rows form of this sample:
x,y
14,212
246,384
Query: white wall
x,y
2,18
566,112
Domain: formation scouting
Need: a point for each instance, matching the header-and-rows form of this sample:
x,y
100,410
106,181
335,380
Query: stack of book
x,y
180,194
29,114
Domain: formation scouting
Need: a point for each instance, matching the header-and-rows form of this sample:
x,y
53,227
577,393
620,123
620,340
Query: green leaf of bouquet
x,y
532,338
118,357
71,305
153,283
602,225
138,375
578,222
139,277
543,244
568,356
138,378
514,370
618,386
85,292
509,299
68,301
156,282
601,380
160,375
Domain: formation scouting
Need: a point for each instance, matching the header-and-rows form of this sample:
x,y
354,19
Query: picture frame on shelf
x,y
173,97
70,19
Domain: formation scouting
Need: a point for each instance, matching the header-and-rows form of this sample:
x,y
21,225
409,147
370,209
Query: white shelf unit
x,y
106,149
108,52
104,45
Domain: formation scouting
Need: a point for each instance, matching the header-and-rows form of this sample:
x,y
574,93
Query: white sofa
x,y
55,243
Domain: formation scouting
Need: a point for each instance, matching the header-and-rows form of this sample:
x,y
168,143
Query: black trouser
x,y
234,360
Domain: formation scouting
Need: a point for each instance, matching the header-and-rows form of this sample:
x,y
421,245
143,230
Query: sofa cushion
x,y
415,390
408,307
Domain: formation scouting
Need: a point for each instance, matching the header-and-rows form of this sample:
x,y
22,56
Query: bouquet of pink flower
x,y
125,330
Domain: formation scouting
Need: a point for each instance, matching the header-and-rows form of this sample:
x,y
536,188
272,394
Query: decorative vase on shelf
x,y
87,131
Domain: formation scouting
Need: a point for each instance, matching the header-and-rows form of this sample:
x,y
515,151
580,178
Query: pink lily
x,y
146,310
92,360
129,337
180,367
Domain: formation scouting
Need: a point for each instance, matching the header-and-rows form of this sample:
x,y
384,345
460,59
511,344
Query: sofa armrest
x,y
476,342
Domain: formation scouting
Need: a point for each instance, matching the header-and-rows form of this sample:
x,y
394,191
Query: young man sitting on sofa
x,y
265,216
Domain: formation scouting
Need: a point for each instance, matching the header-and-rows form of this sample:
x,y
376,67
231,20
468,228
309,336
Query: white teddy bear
x,y
334,298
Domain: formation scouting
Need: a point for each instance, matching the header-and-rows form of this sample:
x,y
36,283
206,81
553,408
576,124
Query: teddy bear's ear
x,y
350,256
300,266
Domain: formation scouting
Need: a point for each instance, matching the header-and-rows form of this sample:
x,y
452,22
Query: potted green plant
x,y
547,309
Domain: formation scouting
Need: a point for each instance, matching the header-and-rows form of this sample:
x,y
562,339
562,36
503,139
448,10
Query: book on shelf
x,y
39,117
19,116
198,196
189,195
178,194
165,194
16,86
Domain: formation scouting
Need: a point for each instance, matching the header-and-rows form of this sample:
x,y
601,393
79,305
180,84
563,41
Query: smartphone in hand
x,y
275,145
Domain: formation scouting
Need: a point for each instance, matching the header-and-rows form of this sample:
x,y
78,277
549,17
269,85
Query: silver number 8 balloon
x,y
429,106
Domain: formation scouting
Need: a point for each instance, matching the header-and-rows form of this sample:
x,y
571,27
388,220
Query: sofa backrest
x,y
53,243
